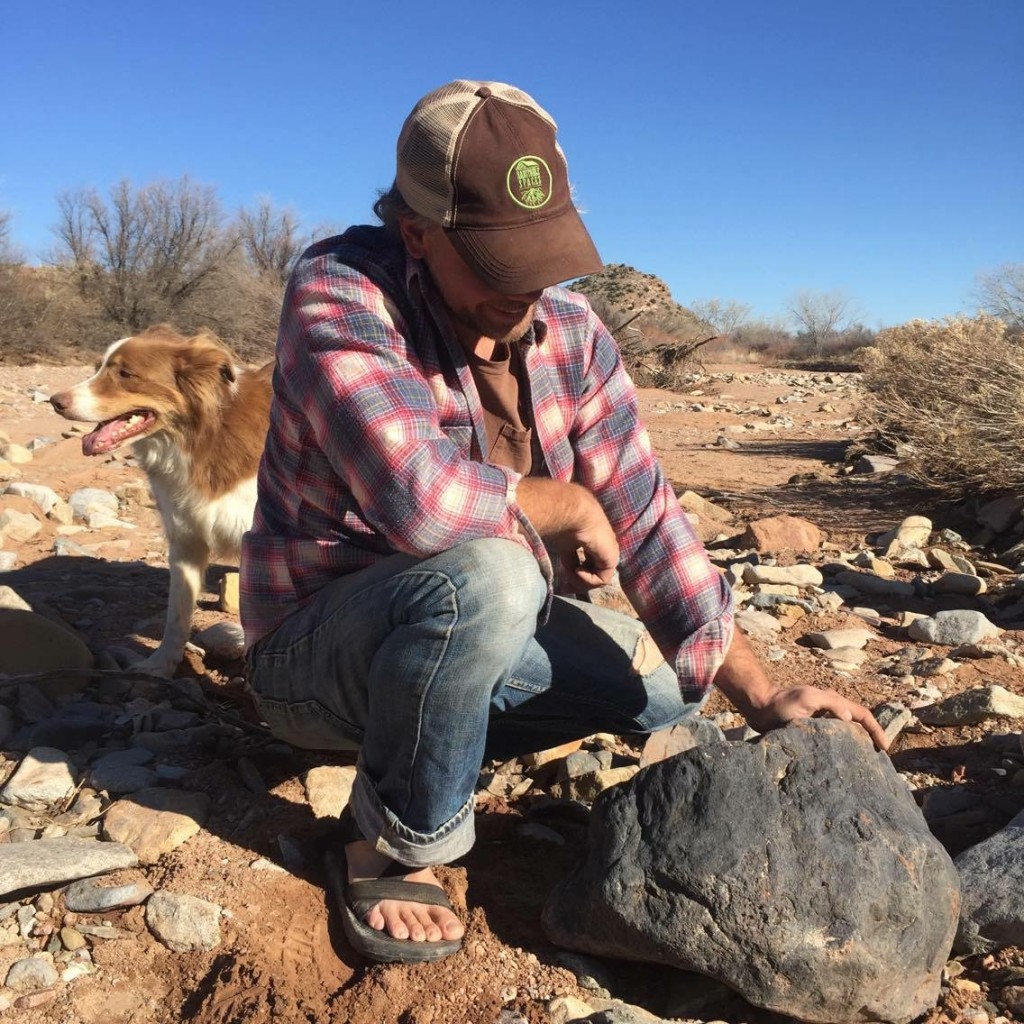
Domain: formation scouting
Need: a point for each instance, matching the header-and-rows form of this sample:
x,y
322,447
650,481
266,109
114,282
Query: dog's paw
x,y
160,663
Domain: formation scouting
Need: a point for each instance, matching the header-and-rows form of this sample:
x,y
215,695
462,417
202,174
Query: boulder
x,y
704,862
34,643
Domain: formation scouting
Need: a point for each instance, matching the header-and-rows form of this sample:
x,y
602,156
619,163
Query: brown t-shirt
x,y
506,407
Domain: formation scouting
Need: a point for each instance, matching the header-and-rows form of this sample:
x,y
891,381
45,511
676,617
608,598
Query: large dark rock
x,y
992,880
797,869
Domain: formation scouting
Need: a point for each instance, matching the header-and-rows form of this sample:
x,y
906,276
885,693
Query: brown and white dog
x,y
197,424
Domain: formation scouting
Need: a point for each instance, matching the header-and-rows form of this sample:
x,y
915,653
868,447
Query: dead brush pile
x,y
952,391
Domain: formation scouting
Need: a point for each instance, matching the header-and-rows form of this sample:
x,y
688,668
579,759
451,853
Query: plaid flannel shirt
x,y
375,442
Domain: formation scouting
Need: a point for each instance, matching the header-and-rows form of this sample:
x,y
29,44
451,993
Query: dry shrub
x,y
953,391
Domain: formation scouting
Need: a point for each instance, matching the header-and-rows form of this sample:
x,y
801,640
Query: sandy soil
x,y
283,957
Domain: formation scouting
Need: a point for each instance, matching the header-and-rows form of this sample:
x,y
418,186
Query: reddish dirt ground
x,y
283,958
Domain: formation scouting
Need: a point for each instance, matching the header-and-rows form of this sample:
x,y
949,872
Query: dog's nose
x,y
59,402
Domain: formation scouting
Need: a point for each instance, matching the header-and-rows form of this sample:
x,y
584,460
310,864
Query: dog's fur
x,y
197,424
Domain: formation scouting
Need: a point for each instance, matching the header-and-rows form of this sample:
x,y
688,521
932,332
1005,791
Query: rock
x,y
71,939
588,787
153,822
229,593
328,788
8,560
543,757
796,575
953,628
10,598
19,526
869,615
975,705
45,777
34,643
44,497
958,583
16,454
992,883
183,923
1002,514
565,1009
844,657
875,565
783,533
939,559
693,502
868,583
222,640
44,863
684,735
756,623
69,726
32,974
88,897
830,639
893,718
123,771
701,863
875,464
91,500
913,532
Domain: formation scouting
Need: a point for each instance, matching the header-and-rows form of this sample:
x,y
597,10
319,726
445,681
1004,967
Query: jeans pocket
x,y
307,724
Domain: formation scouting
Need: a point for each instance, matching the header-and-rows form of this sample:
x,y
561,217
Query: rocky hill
x,y
624,291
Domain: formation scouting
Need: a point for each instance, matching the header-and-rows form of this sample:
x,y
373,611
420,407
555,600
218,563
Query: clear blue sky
x,y
742,150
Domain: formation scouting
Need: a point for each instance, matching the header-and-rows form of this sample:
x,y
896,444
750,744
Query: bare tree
x,y
145,252
820,314
1001,293
270,239
721,317
5,236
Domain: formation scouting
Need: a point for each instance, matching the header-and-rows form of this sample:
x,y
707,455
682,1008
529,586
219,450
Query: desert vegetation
x,y
948,395
167,251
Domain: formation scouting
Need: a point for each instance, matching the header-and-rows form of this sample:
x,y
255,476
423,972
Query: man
x,y
454,448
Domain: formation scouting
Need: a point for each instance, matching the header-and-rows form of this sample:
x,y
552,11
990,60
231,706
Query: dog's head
x,y
157,380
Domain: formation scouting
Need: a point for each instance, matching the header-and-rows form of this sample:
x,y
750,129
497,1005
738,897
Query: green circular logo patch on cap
x,y
529,182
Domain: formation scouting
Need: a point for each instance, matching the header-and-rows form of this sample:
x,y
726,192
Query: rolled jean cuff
x,y
399,842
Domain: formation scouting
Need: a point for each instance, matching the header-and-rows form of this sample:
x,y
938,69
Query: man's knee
x,y
499,577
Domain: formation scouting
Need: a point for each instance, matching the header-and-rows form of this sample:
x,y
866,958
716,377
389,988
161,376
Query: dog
x,y
197,424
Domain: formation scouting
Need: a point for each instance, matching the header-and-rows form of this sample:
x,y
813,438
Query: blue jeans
x,y
430,667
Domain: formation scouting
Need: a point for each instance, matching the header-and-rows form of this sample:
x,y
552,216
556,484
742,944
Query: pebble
x,y
830,639
328,788
45,776
87,896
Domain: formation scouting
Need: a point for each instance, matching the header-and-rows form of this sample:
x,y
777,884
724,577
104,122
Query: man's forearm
x,y
742,679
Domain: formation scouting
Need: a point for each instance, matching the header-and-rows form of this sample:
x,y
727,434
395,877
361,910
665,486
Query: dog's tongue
x,y
102,439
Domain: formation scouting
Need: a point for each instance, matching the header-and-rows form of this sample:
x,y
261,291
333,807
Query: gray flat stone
x,y
953,628
87,896
45,863
975,705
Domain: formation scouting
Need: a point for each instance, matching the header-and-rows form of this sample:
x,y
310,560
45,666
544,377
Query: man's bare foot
x,y
415,921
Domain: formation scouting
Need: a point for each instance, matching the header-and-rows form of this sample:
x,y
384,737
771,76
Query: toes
x,y
375,919
393,921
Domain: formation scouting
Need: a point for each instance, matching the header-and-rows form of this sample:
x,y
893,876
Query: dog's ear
x,y
202,368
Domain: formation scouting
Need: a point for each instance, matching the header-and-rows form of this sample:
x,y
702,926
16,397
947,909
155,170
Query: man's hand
x,y
767,706
574,528
808,702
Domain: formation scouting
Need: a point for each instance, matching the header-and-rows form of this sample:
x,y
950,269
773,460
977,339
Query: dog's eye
x,y
125,374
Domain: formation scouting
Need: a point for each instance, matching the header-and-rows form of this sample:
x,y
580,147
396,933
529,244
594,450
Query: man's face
x,y
476,309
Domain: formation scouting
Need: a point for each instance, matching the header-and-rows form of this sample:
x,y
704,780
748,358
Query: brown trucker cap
x,y
481,160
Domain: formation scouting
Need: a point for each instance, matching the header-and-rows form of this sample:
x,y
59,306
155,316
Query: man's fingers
x,y
839,707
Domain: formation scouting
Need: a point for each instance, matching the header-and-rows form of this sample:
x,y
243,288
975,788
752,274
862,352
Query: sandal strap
x,y
363,896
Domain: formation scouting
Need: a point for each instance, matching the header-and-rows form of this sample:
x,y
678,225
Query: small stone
x,y
893,718
328,789
87,896
71,938
953,628
222,640
691,732
875,464
796,575
543,757
31,974
958,583
90,500
19,526
913,532
757,623
878,566
830,639
183,923
16,454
